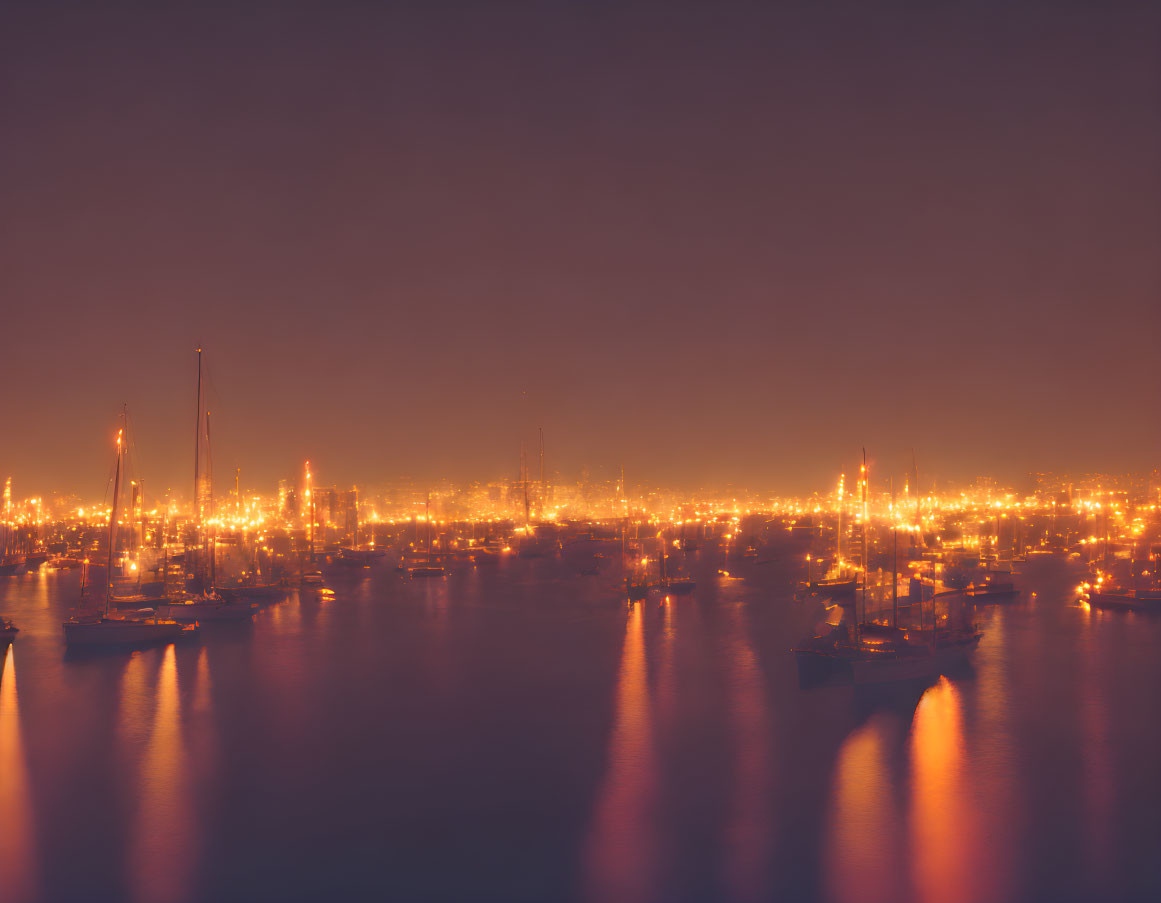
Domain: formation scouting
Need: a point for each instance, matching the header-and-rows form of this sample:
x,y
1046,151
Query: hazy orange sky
x,y
715,242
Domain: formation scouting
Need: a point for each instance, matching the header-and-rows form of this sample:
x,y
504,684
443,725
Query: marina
x,y
643,452
195,766
956,728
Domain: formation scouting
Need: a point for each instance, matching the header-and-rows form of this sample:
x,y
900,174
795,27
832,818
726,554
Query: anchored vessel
x,y
99,628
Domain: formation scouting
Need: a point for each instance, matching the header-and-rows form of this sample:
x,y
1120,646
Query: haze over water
x,y
517,734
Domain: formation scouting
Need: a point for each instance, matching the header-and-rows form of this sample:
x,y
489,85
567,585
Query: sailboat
x,y
672,584
636,583
355,555
838,582
99,628
886,653
431,569
205,604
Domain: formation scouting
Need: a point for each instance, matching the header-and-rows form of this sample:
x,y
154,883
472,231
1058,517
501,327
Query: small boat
x,y
312,578
206,608
672,584
430,569
8,630
10,565
33,560
356,558
1126,600
839,588
257,592
102,630
636,591
991,590
427,570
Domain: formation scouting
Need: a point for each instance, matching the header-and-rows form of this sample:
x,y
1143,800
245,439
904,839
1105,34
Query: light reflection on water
x,y
945,829
622,845
17,837
864,860
161,840
749,831
1097,768
532,744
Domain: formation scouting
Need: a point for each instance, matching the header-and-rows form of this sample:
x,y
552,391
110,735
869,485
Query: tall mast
x,y
838,539
894,561
198,445
427,517
542,493
624,529
915,488
113,520
211,535
310,496
866,563
524,479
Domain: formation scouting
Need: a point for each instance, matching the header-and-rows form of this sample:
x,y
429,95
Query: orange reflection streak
x,y
622,857
999,813
946,862
201,700
667,678
160,853
17,872
1098,772
748,831
862,856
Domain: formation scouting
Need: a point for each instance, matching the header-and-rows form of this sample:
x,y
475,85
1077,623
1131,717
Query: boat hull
x,y
1124,602
893,669
428,572
121,633
189,612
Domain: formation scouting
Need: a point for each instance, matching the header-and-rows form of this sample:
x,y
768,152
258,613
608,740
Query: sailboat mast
x,y
198,444
866,563
524,479
211,536
113,521
895,578
838,529
310,493
542,493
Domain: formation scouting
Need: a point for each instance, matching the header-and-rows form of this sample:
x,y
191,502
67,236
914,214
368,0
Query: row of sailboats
x,y
880,651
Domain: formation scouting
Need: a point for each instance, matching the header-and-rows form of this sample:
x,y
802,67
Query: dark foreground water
x,y
518,735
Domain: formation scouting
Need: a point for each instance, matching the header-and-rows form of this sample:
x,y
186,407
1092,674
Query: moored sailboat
x,y
205,604
100,628
431,568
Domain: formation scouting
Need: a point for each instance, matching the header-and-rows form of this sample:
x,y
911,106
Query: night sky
x,y
714,243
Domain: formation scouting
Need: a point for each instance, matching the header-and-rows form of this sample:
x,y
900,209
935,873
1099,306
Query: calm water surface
x,y
517,735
